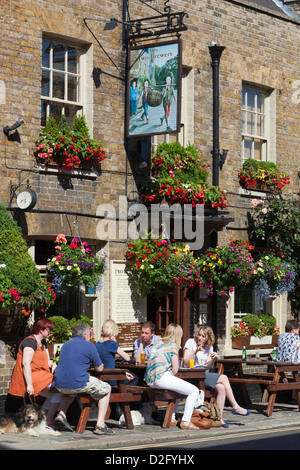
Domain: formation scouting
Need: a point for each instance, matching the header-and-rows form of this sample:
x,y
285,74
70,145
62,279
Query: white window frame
x,y
276,307
83,74
267,137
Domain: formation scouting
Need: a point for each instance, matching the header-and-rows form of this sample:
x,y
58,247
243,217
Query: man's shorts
x,y
95,388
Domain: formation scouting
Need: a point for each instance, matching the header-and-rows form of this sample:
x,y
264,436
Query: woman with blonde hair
x,y
108,347
200,348
161,370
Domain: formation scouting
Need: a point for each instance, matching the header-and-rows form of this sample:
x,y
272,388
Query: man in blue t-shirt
x,y
72,377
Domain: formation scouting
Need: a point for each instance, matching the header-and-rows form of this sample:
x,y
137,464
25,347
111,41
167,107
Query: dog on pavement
x,y
30,420
142,416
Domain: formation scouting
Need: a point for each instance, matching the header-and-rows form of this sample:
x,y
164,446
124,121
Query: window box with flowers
x,y
68,146
262,176
255,331
179,175
74,265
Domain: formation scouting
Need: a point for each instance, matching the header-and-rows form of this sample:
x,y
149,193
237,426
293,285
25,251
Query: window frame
x,y
255,137
81,75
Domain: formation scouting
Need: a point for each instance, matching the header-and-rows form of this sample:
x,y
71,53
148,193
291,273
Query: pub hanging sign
x,y
154,89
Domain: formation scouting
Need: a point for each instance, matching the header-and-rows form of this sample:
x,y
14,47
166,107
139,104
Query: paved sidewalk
x,y
283,416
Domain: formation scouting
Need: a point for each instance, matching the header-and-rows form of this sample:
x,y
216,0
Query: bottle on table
x,y
274,354
56,359
244,354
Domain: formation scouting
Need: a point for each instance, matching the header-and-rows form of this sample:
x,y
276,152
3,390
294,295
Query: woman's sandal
x,y
62,424
173,422
186,425
103,430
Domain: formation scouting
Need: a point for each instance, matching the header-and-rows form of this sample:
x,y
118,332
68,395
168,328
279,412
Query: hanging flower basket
x,y
226,267
273,276
74,265
161,266
179,175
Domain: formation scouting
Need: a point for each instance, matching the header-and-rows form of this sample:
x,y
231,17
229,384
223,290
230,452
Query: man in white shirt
x,y
146,341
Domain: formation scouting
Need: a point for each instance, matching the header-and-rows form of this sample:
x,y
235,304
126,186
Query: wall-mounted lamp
x,y
112,24
223,158
8,129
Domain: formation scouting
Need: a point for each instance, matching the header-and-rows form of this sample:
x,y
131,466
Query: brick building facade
x,y
261,40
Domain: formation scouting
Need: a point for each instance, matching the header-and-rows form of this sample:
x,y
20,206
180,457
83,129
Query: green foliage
x,y
80,126
252,320
269,321
81,319
20,281
277,223
21,269
62,330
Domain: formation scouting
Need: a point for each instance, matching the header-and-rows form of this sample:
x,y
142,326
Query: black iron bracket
x,y
162,25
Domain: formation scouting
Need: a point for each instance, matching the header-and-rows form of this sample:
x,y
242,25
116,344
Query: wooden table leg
x,y
272,394
296,379
126,407
245,396
168,414
84,415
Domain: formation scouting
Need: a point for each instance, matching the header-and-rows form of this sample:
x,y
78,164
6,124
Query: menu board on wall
x,y
128,307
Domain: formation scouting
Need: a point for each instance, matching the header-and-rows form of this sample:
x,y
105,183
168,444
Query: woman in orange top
x,y
33,371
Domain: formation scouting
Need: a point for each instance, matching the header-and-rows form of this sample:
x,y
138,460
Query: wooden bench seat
x,y
160,395
132,393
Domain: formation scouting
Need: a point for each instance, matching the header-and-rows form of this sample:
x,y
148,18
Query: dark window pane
x,y
56,110
46,54
72,88
72,60
45,83
58,85
58,56
44,250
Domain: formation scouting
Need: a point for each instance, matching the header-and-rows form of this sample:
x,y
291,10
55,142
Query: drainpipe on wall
x,y
215,53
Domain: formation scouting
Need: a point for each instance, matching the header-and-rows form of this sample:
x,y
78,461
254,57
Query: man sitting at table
x,y
72,377
289,343
145,342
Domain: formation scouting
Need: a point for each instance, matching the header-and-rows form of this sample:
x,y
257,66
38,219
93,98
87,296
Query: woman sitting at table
x,y
200,348
108,347
161,369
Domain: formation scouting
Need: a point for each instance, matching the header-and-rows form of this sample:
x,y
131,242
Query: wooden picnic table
x,y
279,376
195,373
